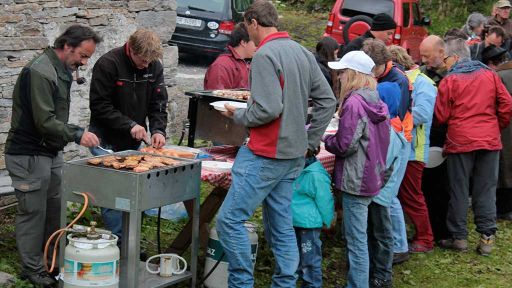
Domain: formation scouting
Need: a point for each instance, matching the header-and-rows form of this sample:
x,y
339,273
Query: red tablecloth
x,y
228,153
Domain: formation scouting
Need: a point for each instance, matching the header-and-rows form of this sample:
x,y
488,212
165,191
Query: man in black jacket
x,y
38,134
127,87
382,28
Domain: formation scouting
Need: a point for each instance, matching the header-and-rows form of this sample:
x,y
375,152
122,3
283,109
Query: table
x,y
211,125
221,181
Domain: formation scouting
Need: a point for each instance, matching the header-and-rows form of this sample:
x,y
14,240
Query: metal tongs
x,y
147,141
109,151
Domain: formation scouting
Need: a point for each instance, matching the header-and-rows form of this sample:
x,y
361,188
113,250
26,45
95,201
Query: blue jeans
x,y
399,230
310,251
380,242
258,180
113,219
355,221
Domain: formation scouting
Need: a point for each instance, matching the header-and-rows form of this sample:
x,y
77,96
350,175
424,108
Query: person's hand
x,y
89,140
138,132
230,110
157,140
312,153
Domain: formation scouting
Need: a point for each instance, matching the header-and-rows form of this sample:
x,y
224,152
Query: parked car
x,y
351,18
203,26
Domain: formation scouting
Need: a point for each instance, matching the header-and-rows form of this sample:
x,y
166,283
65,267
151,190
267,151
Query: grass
x,y
307,28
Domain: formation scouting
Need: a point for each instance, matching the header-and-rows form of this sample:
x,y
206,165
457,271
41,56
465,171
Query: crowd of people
x,y
412,140
393,115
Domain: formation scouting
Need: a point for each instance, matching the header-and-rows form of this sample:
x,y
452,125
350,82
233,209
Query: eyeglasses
x,y
446,58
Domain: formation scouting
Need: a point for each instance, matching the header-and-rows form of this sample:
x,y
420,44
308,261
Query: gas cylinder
x,y
216,264
91,259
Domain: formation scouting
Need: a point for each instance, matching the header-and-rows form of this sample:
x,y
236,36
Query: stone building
x,y
29,26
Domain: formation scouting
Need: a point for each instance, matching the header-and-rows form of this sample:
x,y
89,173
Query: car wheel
x,y
355,27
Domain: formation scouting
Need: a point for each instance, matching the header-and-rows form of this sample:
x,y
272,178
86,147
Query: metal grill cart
x,y
132,193
208,124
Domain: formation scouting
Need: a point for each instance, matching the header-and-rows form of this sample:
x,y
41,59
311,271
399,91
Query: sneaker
x,y
454,244
399,258
485,245
379,283
418,248
42,279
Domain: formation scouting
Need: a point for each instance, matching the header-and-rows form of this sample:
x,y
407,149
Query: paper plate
x,y
333,127
216,166
219,105
435,157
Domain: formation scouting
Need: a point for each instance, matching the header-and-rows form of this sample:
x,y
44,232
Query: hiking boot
x,y
399,258
42,279
418,248
379,283
455,244
485,245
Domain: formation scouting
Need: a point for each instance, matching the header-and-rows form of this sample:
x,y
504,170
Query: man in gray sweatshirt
x,y
284,75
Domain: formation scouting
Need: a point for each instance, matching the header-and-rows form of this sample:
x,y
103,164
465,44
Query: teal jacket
x,y
312,202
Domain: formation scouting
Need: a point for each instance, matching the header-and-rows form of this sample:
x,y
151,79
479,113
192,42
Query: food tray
x,y
123,155
210,94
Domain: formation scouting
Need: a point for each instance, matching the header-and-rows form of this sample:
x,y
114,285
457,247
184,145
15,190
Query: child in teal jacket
x,y
312,208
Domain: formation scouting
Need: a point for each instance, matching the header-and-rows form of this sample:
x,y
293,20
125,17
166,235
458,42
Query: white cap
x,y
355,60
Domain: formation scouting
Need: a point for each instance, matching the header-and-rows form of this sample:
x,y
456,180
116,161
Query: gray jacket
x,y
284,75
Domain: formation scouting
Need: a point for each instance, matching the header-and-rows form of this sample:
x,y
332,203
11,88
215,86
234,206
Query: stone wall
x,y
29,26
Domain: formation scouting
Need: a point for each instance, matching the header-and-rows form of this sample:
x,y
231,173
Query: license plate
x,y
188,21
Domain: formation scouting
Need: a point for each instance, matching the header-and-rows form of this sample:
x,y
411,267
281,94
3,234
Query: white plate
x,y
216,166
219,105
435,157
333,127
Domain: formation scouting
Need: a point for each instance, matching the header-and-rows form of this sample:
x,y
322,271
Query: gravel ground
x,y
191,70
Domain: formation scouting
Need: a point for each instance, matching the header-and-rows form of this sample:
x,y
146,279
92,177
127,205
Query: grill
x,y
208,124
132,193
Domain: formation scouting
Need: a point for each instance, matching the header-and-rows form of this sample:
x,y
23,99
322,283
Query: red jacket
x,y
475,106
228,71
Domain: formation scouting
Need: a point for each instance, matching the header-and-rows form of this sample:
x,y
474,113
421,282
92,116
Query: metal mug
x,y
169,265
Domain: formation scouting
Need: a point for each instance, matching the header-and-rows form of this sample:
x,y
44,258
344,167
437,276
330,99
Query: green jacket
x,y
312,202
40,111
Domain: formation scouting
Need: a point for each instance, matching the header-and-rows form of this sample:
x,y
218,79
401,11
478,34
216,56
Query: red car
x,y
351,18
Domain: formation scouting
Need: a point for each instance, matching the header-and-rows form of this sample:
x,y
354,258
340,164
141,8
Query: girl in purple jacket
x,y
360,146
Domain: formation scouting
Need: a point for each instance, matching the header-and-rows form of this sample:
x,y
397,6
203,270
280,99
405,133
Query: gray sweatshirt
x,y
284,75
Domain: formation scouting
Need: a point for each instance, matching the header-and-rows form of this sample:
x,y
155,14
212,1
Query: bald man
x,y
432,51
435,181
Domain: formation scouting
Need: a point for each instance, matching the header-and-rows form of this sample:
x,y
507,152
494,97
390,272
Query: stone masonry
x,y
29,26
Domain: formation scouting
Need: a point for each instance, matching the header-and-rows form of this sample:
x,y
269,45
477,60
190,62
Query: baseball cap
x,y
355,60
503,4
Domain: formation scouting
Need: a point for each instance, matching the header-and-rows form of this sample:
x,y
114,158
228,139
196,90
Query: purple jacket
x,y
361,144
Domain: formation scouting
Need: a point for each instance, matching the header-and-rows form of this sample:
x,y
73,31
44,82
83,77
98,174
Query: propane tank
x,y
217,277
91,259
